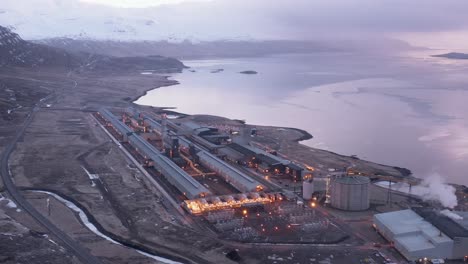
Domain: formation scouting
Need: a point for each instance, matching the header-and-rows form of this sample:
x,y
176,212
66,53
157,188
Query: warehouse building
x,y
173,173
239,180
424,233
236,178
265,161
112,121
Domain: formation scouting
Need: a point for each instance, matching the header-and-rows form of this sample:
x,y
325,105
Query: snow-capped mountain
x,y
41,19
14,51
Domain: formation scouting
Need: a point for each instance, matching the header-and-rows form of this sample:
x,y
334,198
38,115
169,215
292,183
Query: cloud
x,y
434,136
257,19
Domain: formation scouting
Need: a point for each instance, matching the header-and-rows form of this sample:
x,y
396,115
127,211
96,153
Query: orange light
x,y
312,204
244,212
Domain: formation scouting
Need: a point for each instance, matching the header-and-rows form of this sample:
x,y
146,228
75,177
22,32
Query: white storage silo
x,y
307,189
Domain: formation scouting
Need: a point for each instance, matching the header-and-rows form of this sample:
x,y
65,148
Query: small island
x,y
217,70
248,72
453,55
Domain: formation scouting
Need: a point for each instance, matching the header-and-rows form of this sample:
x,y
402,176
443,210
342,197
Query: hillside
x,y
188,49
14,51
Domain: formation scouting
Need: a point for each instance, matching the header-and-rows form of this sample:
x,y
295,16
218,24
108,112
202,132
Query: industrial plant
x,y
243,191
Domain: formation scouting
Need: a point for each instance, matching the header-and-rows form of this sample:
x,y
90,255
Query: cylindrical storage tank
x,y
307,189
350,193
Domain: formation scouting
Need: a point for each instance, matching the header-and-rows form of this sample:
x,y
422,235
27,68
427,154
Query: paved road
x,y
80,252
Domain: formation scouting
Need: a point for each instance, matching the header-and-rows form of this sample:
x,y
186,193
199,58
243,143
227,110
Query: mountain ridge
x,y
16,52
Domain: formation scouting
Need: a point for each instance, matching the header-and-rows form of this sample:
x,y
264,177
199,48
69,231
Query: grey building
x,y
424,233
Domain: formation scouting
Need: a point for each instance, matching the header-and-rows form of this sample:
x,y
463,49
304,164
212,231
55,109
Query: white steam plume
x,y
435,188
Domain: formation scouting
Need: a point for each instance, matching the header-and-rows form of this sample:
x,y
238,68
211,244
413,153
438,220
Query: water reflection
x,y
401,110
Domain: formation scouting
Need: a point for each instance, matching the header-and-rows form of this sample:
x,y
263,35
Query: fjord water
x,y
406,109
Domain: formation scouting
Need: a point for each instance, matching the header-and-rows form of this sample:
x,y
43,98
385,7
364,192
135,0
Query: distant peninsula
x,y
248,72
453,55
217,70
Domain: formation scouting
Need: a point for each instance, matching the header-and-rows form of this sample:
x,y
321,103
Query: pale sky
x,y
428,23
139,3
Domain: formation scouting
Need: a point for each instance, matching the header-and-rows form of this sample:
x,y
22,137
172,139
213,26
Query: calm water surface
x,y
408,110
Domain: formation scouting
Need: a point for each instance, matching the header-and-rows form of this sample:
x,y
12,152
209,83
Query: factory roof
x,y
264,156
122,128
352,179
197,128
415,242
234,174
408,228
178,177
407,222
294,166
447,225
231,153
242,149
174,173
152,123
464,221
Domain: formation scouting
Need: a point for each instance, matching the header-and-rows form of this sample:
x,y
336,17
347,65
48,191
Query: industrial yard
x,y
232,186
236,192
202,132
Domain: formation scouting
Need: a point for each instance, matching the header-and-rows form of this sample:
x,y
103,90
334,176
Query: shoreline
x,y
405,172
145,92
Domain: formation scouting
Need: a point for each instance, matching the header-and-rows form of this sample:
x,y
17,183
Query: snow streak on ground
x,y
84,219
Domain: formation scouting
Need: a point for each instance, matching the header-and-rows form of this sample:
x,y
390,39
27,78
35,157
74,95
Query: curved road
x,y
80,252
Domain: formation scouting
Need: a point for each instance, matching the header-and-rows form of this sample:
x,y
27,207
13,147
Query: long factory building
x,y
173,173
420,233
236,178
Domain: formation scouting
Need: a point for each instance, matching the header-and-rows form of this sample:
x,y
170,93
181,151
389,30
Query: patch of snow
x,y
10,203
90,176
84,219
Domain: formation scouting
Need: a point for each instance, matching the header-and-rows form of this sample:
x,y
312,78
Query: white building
x,y
423,233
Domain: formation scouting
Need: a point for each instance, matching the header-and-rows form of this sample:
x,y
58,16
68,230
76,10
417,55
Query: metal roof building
x,y
112,119
173,173
415,236
239,180
152,123
236,178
